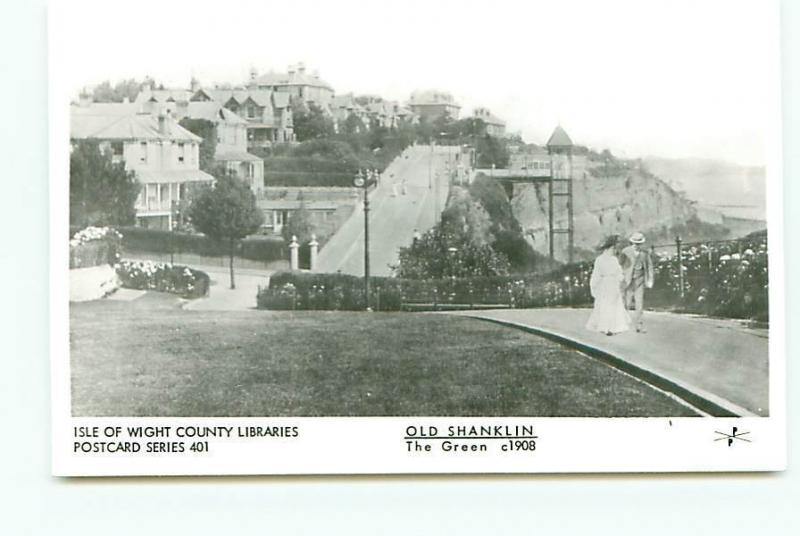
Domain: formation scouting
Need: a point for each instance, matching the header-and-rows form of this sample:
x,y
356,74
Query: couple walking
x,y
618,280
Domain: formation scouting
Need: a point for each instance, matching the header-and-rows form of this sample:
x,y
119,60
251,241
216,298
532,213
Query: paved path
x,y
393,218
717,365
221,297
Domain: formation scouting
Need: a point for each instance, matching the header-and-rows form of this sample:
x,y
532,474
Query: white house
x,y
163,155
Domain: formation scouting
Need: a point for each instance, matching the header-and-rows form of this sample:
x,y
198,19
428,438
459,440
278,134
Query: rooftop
x,y
430,97
120,121
212,111
559,138
295,76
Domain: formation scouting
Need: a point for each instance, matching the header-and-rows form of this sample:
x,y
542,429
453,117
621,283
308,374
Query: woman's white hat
x,y
637,238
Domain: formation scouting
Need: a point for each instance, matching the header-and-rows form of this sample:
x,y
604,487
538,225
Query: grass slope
x,y
149,358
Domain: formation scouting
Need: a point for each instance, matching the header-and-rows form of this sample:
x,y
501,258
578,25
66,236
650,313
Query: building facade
x,y
163,155
297,83
495,126
431,104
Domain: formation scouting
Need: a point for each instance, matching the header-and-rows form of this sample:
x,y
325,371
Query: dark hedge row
x,y
300,290
265,249
305,178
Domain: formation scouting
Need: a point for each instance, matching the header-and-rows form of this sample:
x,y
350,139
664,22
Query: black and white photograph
x,y
416,237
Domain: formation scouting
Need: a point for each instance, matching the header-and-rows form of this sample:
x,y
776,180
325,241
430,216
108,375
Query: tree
x,y
311,122
208,131
101,192
491,152
352,125
105,92
227,212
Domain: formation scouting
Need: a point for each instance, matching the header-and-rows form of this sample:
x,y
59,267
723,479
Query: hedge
x,y
159,241
720,279
299,290
163,277
306,178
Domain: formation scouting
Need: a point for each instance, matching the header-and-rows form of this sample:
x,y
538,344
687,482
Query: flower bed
x,y
163,277
94,246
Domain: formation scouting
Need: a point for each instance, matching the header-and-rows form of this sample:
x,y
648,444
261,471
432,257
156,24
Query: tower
x,y
559,148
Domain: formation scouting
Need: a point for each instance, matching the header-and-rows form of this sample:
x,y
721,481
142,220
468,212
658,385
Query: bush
x,y
94,246
163,277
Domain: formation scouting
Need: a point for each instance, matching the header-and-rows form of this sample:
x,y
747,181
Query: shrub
x,y
94,246
163,277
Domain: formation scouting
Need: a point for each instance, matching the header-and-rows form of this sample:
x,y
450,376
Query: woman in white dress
x,y
609,315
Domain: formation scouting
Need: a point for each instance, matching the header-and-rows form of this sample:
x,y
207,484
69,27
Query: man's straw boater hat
x,y
637,238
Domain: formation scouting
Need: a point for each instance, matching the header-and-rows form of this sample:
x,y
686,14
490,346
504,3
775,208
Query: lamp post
x,y
362,180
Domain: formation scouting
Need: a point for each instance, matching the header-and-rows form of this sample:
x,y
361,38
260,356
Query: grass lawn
x,y
150,358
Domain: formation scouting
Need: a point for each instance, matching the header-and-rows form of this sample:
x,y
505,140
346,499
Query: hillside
x,y
736,191
616,198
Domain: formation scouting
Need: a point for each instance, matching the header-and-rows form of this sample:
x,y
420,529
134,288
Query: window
x,y
143,151
251,111
181,151
116,148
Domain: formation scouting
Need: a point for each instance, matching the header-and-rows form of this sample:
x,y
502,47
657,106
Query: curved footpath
x,y
716,365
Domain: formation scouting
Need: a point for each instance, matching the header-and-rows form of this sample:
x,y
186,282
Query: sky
x,y
669,78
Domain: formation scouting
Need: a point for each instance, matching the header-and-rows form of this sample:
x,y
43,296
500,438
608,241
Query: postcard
x,y
416,237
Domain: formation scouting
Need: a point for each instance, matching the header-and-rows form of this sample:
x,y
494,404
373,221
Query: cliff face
x,y
616,200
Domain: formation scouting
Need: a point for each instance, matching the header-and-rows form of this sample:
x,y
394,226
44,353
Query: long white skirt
x,y
609,314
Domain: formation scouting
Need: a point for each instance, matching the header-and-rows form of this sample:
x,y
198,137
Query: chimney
x,y
290,70
126,100
301,68
194,84
162,124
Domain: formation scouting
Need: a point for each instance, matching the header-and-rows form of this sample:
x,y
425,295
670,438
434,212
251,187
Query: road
x,y
393,218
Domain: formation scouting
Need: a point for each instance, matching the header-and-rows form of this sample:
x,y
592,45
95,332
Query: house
x,y
297,83
430,104
495,126
277,213
163,155
231,148
344,106
268,113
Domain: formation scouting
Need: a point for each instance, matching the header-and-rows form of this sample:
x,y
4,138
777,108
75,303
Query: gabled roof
x,y
164,95
559,138
123,123
212,111
261,97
